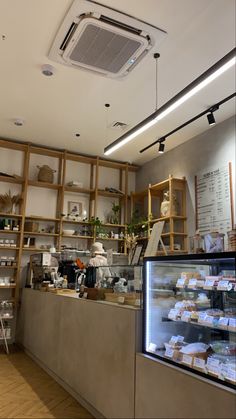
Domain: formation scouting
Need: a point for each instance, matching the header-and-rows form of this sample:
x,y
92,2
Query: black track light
x,y
211,118
161,148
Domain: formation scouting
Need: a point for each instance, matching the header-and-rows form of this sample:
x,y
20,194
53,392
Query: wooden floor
x,y
26,391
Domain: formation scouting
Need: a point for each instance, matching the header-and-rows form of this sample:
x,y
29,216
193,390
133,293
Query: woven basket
x,y
46,174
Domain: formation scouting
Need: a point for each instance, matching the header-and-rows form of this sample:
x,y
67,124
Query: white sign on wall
x,y
214,200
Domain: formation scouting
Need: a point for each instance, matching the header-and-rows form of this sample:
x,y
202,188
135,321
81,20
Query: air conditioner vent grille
x,y
120,25
68,36
103,49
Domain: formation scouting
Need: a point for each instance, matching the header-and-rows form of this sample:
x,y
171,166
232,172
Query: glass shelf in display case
x,y
190,313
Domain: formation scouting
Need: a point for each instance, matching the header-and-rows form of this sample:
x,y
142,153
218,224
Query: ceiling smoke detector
x,y
100,39
48,70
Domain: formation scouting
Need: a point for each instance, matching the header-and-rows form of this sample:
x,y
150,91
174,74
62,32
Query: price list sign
x,y
213,200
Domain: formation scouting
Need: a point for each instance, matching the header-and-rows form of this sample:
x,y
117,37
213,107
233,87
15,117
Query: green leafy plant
x,y
97,224
116,210
138,224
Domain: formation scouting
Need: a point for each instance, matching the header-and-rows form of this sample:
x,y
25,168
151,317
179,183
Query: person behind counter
x,y
99,260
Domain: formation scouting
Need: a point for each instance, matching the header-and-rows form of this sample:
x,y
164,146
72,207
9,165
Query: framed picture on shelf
x,y
75,209
136,254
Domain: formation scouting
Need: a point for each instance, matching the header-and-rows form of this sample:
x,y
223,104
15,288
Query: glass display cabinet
x,y
190,313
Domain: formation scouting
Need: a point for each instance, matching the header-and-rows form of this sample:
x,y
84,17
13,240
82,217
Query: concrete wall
x,y
214,148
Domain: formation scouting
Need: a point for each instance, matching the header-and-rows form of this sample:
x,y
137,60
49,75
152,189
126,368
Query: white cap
x,y
97,248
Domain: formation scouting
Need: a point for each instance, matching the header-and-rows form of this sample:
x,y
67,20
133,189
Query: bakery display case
x,y
190,313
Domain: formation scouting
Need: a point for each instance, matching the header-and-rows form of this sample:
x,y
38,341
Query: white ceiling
x,y
199,33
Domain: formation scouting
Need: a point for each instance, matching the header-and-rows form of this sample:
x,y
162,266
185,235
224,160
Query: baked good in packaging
x,y
194,316
189,275
215,312
198,349
185,305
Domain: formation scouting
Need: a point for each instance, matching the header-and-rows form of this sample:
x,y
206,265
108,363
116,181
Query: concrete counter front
x,y
88,346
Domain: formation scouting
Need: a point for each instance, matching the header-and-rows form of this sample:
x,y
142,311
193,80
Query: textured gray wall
x,y
214,148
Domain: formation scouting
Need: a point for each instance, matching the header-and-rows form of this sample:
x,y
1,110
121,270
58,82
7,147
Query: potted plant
x,y
116,212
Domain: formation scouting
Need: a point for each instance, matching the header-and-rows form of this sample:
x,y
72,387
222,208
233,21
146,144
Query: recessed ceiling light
x,y
47,70
19,122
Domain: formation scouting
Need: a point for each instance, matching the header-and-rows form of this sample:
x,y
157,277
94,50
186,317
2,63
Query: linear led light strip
x,y
198,84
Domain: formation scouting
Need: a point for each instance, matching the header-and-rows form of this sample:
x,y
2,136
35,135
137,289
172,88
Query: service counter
x,y
92,348
88,346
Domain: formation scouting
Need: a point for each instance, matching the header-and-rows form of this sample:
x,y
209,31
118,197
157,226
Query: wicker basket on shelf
x,y
46,174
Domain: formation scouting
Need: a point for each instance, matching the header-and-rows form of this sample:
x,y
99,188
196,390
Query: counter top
x,y
74,295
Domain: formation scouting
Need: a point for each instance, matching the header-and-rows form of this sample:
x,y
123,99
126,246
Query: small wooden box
x,y
32,226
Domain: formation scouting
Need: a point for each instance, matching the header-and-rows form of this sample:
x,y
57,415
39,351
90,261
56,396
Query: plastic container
x,y
214,242
224,347
196,243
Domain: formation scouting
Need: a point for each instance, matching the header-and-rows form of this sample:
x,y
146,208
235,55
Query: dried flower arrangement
x,y
8,202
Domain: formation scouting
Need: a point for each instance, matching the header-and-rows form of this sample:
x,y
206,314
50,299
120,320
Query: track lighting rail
x,y
211,110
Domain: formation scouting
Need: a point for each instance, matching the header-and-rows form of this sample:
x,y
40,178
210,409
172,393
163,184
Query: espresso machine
x,y
43,270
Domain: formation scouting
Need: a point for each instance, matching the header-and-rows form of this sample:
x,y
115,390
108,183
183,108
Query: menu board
x,y
213,200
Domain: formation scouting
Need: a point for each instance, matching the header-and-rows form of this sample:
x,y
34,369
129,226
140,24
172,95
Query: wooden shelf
x,y
44,185
171,217
34,249
8,286
76,222
9,248
75,189
7,179
8,267
174,234
6,215
110,194
31,233
113,225
171,252
110,239
76,237
39,218
10,231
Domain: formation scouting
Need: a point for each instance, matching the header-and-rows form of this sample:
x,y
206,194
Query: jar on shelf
x,y
196,243
232,239
214,242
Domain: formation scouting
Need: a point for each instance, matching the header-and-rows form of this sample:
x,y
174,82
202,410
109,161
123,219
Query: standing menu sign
x,y
214,207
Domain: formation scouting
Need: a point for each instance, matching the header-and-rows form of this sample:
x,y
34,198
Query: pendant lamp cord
x,y
107,106
156,56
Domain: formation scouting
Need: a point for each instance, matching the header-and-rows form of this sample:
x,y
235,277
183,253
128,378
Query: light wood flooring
x,y
26,391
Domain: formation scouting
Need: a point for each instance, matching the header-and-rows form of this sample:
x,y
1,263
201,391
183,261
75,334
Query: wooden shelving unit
x,y
92,191
147,203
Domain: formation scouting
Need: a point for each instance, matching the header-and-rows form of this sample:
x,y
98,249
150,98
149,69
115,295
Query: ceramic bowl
x,y
68,232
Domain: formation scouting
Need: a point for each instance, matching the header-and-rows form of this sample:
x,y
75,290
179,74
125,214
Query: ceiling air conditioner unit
x,y
103,40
